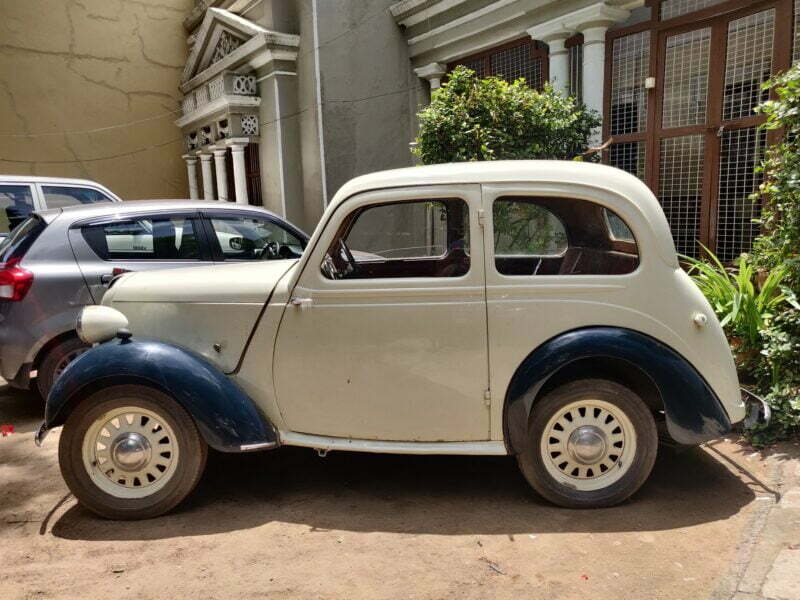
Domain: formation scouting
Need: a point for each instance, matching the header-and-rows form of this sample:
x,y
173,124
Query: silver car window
x,y
16,203
59,196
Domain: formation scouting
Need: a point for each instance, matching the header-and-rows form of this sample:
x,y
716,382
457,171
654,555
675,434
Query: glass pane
x,y
145,239
675,8
686,78
628,156
250,238
629,68
681,188
526,229
741,150
61,196
618,229
16,203
512,63
749,63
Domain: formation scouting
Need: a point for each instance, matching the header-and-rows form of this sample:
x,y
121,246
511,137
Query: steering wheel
x,y
270,251
344,251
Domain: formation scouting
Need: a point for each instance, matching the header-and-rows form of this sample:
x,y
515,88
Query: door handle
x,y
302,303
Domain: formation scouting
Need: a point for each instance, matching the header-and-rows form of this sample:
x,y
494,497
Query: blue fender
x,y
226,417
693,412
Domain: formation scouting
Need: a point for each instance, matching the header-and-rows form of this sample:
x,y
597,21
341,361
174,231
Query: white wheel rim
x,y
588,445
130,452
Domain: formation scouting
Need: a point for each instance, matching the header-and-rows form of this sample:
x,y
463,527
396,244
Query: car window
x,y
16,203
560,236
147,238
21,239
59,196
422,238
254,238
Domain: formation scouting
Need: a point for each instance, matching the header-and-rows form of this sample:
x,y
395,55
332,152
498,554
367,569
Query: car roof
x,y
40,179
103,209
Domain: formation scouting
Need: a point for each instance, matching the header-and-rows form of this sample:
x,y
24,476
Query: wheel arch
x,y
226,417
691,412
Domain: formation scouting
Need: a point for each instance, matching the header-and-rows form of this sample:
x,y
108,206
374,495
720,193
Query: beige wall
x,y
68,66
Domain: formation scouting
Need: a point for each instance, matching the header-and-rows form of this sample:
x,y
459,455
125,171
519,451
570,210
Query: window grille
x,y
741,150
796,49
576,70
510,62
253,174
630,65
675,8
686,78
628,156
681,188
749,63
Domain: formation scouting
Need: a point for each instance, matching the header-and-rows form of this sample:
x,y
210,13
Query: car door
x,y
386,336
109,246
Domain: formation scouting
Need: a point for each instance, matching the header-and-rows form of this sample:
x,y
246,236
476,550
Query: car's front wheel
x,y
131,452
591,443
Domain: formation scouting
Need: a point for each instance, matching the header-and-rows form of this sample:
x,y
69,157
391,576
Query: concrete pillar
x,y
559,65
594,61
433,72
191,170
222,174
208,176
239,173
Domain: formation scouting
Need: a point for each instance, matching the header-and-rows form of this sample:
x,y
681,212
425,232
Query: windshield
x,y
16,244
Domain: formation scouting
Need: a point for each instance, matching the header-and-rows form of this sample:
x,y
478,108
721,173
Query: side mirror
x,y
236,243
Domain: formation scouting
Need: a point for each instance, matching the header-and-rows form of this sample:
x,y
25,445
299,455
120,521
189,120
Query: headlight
x,y
100,323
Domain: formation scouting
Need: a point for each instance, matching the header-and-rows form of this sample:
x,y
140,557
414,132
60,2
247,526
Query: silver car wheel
x,y
130,452
588,445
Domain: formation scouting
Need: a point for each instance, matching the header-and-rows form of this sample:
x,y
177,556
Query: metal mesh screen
x,y
515,62
741,150
628,156
675,8
749,63
478,65
681,188
576,71
686,78
796,48
629,67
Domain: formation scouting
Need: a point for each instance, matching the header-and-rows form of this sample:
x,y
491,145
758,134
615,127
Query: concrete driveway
x,y
288,524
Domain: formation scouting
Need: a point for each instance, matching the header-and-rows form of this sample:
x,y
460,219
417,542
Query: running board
x,y
323,444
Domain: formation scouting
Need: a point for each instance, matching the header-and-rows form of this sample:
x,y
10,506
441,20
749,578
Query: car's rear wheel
x,y
131,452
55,361
590,443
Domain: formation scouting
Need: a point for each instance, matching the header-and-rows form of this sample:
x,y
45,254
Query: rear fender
x,y
693,412
226,417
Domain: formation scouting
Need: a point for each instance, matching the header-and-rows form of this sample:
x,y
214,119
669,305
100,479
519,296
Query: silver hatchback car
x,y
58,261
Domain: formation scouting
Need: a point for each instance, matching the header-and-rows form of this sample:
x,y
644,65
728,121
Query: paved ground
x,y
288,524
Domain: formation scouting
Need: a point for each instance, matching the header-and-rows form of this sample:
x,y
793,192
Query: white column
x,y
239,173
222,174
433,72
191,170
554,34
594,63
208,176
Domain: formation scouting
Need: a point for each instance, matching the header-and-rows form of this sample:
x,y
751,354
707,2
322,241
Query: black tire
x,y
56,359
192,453
531,461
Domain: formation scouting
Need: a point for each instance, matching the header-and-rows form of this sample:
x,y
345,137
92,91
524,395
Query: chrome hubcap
x,y
587,444
130,451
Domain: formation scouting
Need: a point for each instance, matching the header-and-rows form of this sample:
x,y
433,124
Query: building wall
x,y
72,72
369,91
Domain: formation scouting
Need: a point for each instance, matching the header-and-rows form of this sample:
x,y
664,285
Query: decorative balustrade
x,y
231,84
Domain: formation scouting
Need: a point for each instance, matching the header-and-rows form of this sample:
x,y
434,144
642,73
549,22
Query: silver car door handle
x,y
303,303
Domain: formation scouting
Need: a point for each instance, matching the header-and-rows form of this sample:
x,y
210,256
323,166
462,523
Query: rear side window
x,y
59,196
560,236
16,204
21,239
148,238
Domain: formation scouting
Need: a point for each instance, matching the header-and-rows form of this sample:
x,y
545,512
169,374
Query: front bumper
x,y
758,411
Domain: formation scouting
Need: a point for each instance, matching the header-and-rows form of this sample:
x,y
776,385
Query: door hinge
x,y
487,397
481,217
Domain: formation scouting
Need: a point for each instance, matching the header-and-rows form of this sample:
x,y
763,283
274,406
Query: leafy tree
x,y
472,119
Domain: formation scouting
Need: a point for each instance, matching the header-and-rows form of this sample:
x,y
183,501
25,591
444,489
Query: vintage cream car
x,y
529,308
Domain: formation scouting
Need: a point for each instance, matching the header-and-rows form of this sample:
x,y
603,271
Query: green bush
x,y
472,119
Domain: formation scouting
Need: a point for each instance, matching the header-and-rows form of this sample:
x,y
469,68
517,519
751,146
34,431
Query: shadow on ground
x,y
417,495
